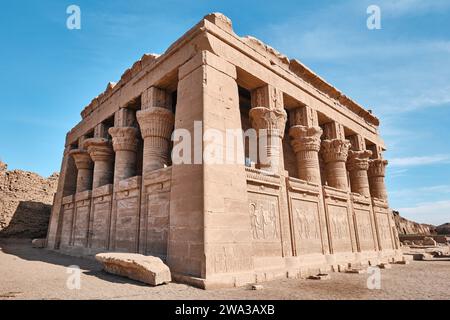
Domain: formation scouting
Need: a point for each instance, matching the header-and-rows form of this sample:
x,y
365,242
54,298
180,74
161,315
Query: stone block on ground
x,y
38,243
320,276
147,269
385,266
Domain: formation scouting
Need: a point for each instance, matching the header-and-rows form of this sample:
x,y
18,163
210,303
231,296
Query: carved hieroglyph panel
x,y
100,225
384,231
126,224
81,226
158,208
265,224
364,228
305,217
340,228
66,232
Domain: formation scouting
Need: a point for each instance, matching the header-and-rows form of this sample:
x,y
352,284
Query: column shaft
x,y
376,173
358,164
84,165
102,154
335,153
125,145
306,144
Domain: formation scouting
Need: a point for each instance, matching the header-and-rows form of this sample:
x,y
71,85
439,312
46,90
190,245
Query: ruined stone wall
x,y
25,202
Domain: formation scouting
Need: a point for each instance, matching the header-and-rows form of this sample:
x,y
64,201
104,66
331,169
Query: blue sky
x,y
402,72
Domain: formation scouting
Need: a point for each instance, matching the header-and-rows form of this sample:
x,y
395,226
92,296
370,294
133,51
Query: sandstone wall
x,y
25,203
405,226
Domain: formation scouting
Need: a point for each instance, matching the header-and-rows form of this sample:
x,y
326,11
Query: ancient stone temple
x,y
318,202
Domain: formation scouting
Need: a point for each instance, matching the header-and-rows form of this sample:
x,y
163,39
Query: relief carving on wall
x,y
264,216
306,222
364,226
339,224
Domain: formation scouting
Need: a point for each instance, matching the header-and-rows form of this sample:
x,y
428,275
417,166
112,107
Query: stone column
x,y
101,152
84,166
376,173
305,136
358,164
335,152
125,145
268,117
156,121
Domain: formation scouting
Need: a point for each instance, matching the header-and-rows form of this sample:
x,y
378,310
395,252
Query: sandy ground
x,y
27,273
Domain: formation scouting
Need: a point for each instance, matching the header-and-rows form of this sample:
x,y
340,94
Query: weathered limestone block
x,y
357,165
38,243
376,173
147,269
335,153
306,144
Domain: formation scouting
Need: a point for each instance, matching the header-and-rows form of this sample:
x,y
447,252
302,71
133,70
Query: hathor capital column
x,y
305,136
334,153
268,117
156,121
358,164
101,152
84,166
125,144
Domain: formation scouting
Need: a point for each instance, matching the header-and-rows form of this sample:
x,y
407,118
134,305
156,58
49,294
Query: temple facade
x,y
318,202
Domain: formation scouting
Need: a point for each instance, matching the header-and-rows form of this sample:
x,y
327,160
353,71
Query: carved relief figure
x,y
339,225
263,217
306,224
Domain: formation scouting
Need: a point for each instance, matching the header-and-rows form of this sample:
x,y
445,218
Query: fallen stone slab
x,y
147,269
422,256
402,262
356,271
320,276
385,266
257,287
38,243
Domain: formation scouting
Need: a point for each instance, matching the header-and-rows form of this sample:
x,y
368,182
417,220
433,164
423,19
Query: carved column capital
x,y
156,122
100,149
358,160
335,150
82,159
124,138
377,167
273,121
305,138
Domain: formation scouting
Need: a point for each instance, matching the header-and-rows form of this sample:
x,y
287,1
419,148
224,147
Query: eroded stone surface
x,y
147,269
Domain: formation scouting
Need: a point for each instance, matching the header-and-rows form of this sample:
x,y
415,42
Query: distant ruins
x,y
318,203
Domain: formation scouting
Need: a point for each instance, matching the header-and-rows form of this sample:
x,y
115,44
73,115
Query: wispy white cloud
x,y
397,8
419,161
428,212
